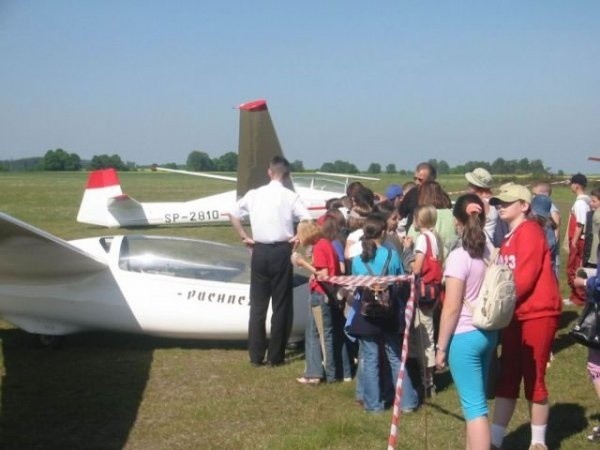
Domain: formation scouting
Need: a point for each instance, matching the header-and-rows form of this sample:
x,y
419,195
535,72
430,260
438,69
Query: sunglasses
x,y
420,180
505,204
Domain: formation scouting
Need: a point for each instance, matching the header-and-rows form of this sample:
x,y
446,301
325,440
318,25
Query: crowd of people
x,y
416,229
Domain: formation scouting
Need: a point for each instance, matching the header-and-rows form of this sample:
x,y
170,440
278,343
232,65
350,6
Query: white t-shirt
x,y
354,244
421,243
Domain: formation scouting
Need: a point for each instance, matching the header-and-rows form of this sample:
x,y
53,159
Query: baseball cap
x,y
541,205
579,178
480,178
511,193
393,191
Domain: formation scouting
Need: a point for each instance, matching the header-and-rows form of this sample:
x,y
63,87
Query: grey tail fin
x,y
258,144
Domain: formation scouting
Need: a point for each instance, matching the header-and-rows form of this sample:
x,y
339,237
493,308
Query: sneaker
x,y
595,436
567,302
347,379
308,380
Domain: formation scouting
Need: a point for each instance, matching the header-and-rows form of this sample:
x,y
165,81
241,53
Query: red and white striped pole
x,y
408,315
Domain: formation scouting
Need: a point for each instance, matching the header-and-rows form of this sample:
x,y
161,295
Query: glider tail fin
x,y
102,185
258,144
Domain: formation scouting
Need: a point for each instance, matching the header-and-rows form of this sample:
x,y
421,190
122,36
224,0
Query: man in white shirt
x,y
272,209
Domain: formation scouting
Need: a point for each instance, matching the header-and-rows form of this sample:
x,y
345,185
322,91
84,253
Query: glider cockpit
x,y
183,258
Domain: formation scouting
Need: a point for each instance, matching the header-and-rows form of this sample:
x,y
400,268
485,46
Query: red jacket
x,y
526,252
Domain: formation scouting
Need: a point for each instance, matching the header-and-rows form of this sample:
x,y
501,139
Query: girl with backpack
x,y
371,332
467,349
427,269
527,340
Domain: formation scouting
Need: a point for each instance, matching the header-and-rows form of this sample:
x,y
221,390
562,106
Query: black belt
x,y
273,244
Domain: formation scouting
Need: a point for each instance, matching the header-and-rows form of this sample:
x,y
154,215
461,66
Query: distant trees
x,y
60,160
14,165
199,162
297,166
227,162
105,161
339,167
374,168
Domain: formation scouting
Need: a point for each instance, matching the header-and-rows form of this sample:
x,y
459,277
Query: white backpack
x,y
495,303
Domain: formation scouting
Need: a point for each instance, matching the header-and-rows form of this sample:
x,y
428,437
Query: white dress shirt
x,y
273,209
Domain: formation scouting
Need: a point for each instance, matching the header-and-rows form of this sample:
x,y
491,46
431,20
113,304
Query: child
x,y
428,268
319,332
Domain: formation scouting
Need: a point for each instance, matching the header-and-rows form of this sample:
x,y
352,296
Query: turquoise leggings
x,y
469,358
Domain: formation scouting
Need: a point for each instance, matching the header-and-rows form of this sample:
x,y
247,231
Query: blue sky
x,y
387,81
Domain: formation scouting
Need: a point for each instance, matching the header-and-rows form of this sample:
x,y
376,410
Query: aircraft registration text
x,y
193,216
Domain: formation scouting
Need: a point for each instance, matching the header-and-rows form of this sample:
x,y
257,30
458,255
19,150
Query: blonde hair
x,y
426,216
308,232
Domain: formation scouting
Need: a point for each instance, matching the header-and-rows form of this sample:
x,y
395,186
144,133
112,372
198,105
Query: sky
x,y
386,81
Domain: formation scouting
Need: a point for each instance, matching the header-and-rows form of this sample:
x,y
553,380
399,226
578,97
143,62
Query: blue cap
x,y
541,205
393,191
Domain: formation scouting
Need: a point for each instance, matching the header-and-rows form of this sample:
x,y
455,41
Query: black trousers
x,y
271,278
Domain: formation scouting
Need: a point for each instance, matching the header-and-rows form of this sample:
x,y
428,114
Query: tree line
x,y
61,160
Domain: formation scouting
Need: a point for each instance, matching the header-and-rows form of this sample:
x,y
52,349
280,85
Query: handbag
x,y
586,330
428,285
334,293
376,300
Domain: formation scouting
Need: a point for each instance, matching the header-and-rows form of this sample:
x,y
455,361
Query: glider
x,y
105,204
164,286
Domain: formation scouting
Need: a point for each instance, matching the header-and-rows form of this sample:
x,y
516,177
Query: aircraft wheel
x,y
49,340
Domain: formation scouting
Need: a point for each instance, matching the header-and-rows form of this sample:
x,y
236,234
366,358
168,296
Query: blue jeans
x,y
368,377
343,366
318,339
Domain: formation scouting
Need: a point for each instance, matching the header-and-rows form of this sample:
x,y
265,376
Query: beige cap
x,y
511,193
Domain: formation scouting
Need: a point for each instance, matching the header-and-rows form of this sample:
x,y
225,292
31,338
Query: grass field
x,y
112,391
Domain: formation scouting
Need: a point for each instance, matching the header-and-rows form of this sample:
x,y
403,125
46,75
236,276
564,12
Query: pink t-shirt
x,y
460,265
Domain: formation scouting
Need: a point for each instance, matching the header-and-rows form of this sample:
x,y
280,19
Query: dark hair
x,y
280,166
374,228
385,208
473,234
352,188
333,203
432,193
333,225
430,168
364,197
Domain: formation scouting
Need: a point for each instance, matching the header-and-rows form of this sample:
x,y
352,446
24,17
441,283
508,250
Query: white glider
x,y
162,286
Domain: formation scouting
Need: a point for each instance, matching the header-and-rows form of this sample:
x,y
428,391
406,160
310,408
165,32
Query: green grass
x,y
111,391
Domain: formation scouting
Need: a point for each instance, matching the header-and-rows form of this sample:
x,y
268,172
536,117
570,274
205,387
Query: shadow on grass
x,y
566,419
86,394
563,340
